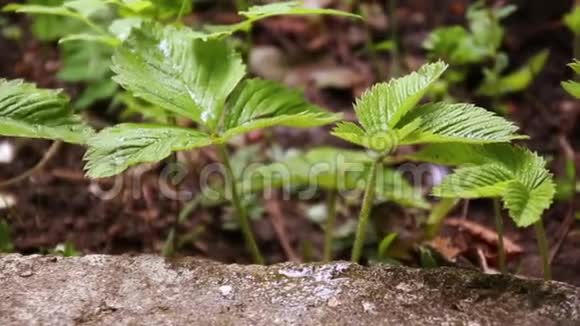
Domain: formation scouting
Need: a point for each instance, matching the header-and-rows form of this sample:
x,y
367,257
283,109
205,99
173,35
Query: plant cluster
x,y
200,79
480,44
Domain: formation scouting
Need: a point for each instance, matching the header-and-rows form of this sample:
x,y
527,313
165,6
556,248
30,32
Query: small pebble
x,y
6,152
226,290
26,273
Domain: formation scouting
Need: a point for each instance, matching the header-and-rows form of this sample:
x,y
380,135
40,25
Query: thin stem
x,y
577,47
365,211
52,150
329,225
395,65
181,11
242,215
543,248
500,231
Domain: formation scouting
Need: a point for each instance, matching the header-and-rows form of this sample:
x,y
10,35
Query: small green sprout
x,y
480,44
516,175
390,116
573,87
6,245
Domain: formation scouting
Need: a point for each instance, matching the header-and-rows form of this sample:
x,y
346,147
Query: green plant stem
x,y
242,215
396,63
329,225
543,249
577,47
365,211
181,11
500,231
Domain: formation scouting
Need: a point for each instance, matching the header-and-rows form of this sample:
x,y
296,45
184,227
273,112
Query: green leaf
x,y
41,10
172,68
260,104
71,8
122,27
452,154
381,107
514,173
572,87
572,20
48,27
107,40
82,61
115,149
385,244
443,122
483,181
96,91
257,13
86,8
527,205
290,8
518,80
26,111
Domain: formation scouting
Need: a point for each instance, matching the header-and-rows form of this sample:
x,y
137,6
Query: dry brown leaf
x,y
446,247
486,234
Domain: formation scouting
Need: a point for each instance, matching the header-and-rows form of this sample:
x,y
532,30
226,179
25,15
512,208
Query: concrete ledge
x,y
149,290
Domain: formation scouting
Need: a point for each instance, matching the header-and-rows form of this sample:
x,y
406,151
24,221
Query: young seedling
x,y
573,87
478,45
513,174
87,32
201,81
389,116
332,169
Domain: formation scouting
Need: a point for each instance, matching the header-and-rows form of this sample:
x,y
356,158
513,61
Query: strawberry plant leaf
x,y
260,104
483,181
27,111
513,173
290,8
516,81
572,87
381,107
172,68
115,149
443,122
525,204
572,20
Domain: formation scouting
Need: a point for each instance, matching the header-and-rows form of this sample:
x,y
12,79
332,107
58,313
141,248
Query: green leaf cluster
x,y
478,44
201,80
480,41
516,175
260,12
390,115
572,20
26,111
573,87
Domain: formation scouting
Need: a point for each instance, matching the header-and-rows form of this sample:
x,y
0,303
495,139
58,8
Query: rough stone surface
x,y
149,290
